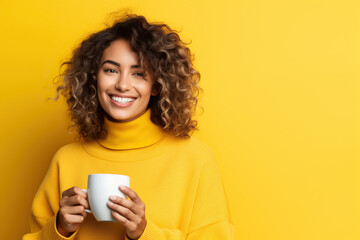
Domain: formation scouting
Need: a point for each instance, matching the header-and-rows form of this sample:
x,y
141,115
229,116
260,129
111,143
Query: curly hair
x,y
164,55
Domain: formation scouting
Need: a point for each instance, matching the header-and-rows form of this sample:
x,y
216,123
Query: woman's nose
x,y
123,83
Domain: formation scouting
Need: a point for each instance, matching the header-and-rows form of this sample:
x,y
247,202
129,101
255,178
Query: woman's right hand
x,y
72,211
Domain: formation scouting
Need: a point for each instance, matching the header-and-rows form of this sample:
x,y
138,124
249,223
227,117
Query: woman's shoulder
x,y
69,149
190,146
196,154
200,145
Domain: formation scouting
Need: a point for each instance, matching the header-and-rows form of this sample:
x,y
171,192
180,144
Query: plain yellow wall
x,y
281,100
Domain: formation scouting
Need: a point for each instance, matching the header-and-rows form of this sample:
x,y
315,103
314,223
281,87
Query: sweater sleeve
x,y
210,214
45,206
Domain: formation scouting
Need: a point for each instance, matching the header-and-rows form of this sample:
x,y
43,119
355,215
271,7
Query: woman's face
x,y
123,88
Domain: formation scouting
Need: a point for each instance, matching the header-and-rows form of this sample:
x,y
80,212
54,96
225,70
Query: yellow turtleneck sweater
x,y
177,179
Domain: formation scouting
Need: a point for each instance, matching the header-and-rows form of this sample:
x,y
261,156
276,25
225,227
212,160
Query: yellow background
x,y
281,100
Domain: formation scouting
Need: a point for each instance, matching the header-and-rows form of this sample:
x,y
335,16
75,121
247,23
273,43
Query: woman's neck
x,y
138,133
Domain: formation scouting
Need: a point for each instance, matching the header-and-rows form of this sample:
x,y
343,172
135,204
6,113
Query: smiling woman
x,y
123,88
160,55
132,91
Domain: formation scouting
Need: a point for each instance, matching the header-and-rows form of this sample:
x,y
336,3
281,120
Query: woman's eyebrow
x,y
111,62
118,64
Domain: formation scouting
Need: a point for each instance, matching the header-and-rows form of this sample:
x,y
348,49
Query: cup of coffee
x,y
100,188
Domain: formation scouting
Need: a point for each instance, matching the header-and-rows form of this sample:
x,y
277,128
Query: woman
x,y
132,90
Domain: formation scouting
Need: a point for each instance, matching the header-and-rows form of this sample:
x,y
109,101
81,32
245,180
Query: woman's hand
x,y
130,212
72,210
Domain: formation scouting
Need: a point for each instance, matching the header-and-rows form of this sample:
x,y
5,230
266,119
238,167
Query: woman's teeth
x,y
122,100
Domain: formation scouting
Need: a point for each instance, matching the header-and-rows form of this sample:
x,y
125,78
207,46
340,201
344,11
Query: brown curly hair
x,y
163,54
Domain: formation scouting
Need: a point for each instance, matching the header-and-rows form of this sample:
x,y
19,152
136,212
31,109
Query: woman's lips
x,y
122,104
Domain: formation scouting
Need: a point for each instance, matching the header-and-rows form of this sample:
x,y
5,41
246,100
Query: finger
x,y
127,224
73,210
131,194
74,200
73,219
66,193
68,212
128,204
125,212
74,191
79,191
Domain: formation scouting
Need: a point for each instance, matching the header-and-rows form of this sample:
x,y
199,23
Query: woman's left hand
x,y
130,212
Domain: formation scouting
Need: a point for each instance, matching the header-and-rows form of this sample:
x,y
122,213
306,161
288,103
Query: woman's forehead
x,y
120,51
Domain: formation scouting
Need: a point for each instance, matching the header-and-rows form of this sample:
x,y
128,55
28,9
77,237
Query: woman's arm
x,y
45,207
211,217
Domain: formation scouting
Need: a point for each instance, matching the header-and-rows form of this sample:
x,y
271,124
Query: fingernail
x,y
110,203
112,198
122,187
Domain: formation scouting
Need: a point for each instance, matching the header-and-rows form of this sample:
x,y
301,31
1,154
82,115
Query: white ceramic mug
x,y
100,188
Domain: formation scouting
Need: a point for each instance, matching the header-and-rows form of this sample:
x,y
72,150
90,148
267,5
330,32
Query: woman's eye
x,y
110,70
139,74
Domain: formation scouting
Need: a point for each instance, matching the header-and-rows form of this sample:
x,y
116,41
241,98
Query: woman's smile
x,y
122,101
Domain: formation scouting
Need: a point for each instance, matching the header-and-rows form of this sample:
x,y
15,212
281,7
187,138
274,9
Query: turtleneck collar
x,y
141,132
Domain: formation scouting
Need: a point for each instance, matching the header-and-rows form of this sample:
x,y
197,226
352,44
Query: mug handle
x,y
86,210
